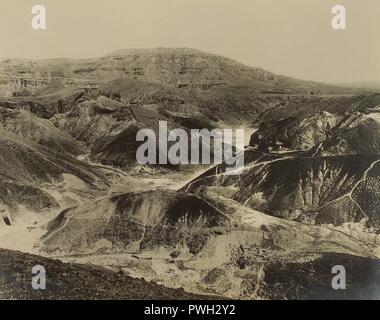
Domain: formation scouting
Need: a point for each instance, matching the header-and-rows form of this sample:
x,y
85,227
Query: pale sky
x,y
289,37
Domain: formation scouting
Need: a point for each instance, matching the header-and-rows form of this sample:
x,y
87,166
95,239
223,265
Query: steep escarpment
x,y
222,88
182,67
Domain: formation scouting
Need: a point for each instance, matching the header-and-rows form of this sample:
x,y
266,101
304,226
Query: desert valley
x,y
74,199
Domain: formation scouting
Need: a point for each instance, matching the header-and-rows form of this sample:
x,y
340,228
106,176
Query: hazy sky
x,y
290,37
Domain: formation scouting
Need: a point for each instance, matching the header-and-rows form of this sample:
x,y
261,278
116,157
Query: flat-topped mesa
x,y
181,68
154,51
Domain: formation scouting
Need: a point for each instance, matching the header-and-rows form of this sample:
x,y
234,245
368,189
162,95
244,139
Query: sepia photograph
x,y
195,150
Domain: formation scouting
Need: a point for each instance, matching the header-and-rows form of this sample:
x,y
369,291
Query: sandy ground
x,y
25,232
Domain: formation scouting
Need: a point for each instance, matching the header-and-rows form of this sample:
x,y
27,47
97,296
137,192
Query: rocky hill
x,y
181,67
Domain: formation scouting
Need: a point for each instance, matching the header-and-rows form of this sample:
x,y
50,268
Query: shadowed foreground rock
x,y
67,281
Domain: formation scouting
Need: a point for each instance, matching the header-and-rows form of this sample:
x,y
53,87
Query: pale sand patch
x,y
27,228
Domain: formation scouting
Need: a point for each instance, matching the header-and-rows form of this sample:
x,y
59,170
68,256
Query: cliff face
x,y
164,65
177,67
